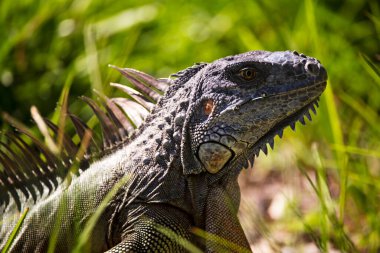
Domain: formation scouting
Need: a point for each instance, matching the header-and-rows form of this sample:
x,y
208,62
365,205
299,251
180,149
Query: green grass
x,y
13,235
48,45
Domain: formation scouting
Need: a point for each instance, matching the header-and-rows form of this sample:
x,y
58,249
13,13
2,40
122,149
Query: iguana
x,y
181,163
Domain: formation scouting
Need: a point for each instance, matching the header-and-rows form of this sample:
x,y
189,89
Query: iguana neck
x,y
159,140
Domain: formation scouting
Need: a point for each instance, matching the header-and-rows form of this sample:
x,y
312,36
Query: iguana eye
x,y
247,74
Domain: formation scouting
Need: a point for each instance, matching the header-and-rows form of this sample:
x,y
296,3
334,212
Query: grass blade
x,y
15,231
86,233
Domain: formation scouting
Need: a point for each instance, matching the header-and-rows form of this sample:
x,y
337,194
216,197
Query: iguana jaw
x,y
278,129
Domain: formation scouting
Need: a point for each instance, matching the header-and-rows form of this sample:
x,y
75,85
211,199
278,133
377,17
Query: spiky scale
x,y
185,74
177,136
265,149
179,119
313,109
23,170
68,144
307,114
280,133
271,143
33,156
147,161
167,119
135,112
148,80
109,131
11,189
51,159
46,170
293,126
81,128
152,94
36,165
302,120
121,122
169,131
4,196
12,172
138,97
158,156
166,144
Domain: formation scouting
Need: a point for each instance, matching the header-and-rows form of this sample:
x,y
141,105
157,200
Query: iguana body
x,y
179,169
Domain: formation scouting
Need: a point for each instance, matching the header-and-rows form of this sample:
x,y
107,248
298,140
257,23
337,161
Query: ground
x,y
273,198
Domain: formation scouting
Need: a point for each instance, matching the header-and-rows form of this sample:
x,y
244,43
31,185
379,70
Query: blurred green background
x,y
45,44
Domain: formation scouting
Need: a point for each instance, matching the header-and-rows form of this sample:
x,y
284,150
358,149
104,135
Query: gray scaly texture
x,y
179,168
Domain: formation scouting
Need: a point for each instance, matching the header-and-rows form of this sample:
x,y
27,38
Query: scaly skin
x,y
182,165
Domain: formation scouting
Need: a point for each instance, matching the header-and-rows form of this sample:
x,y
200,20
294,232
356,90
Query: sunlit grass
x,y
16,229
82,242
67,45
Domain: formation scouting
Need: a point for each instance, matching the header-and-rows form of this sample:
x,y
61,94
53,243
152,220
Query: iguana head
x,y
239,103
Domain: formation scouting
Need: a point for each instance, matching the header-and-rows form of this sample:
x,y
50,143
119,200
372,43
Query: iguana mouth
x,y
253,150
278,129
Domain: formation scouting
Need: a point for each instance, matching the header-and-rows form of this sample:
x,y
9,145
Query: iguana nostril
x,y
312,68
